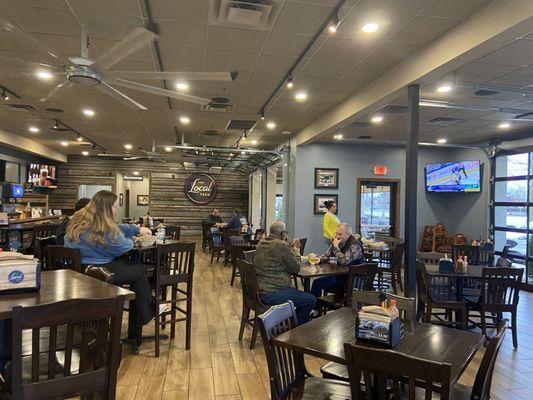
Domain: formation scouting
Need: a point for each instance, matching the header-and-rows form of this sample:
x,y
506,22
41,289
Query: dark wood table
x,y
473,272
324,338
60,285
322,270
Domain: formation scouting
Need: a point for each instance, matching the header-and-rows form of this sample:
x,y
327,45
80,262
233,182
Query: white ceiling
x,y
335,68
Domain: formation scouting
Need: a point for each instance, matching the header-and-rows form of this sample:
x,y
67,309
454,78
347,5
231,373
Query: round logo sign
x,y
15,276
201,188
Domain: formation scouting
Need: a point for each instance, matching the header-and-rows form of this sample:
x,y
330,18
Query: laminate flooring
x,y
219,366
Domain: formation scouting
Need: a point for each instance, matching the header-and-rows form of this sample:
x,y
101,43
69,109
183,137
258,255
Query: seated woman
x,y
102,241
348,251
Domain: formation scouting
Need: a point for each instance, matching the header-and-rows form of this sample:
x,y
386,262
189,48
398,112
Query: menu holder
x,y
377,325
19,273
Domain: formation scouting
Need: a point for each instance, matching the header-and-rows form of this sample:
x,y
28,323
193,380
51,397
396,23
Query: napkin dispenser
x,y
19,273
378,325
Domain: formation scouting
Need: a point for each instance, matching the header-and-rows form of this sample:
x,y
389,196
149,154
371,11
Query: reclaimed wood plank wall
x,y
167,196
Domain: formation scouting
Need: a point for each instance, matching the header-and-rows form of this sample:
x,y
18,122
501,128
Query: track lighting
x,y
5,95
262,115
55,127
79,138
334,24
289,84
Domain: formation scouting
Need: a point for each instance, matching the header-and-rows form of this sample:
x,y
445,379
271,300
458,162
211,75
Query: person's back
x,y
236,220
275,263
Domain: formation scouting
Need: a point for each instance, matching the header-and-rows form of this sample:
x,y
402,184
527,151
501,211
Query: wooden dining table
x,y
307,272
324,338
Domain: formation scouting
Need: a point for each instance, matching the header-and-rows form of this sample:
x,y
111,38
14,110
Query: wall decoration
x,y
326,178
143,199
201,188
319,207
121,199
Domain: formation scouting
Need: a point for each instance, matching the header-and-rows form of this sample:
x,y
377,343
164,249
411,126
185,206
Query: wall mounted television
x,y
42,175
454,177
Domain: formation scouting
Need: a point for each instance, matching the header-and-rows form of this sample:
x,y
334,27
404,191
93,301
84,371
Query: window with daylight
x,y
512,210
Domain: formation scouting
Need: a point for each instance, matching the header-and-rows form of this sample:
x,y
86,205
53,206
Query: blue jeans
x,y
304,302
336,283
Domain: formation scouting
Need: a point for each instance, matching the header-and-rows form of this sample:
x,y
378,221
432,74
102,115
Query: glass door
x,y
377,207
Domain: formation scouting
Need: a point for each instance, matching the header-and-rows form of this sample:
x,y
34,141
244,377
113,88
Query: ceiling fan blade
x,y
134,158
175,75
118,95
160,92
58,90
27,64
135,40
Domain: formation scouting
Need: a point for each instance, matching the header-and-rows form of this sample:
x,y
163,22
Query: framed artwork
x,y
326,178
143,199
319,207
121,199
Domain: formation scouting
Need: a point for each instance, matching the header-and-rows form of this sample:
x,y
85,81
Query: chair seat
x,y
331,301
457,392
320,389
445,298
336,371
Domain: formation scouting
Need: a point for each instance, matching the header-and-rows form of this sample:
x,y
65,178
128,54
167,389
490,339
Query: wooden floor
x,y
219,366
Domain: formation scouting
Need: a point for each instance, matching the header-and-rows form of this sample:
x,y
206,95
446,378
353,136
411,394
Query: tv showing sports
x,y
457,176
42,175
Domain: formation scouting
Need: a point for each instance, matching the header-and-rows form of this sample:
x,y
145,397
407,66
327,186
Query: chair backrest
x,y
285,367
429,257
216,238
175,263
227,234
236,240
90,364
158,221
250,287
422,280
505,251
406,306
206,230
60,257
360,277
248,256
303,242
504,262
259,233
397,254
500,288
40,250
486,257
43,230
172,232
384,371
471,252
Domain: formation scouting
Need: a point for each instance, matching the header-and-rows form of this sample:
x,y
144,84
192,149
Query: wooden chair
x,y
174,266
429,257
406,307
101,273
360,277
226,243
250,300
391,270
471,252
483,380
499,294
172,232
215,239
60,257
206,233
248,256
41,252
385,371
158,221
88,366
237,245
288,377
41,231
438,297
303,242
259,233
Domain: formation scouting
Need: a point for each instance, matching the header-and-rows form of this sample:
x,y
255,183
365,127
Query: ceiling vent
x,y
444,121
252,14
485,92
240,124
22,108
215,107
392,109
210,133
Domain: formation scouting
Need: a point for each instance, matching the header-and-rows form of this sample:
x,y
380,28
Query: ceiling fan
x,y
151,155
82,70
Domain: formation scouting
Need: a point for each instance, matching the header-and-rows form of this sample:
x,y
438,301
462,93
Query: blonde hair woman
x,y
101,240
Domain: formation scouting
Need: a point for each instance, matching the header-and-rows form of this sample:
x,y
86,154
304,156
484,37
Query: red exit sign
x,y
380,170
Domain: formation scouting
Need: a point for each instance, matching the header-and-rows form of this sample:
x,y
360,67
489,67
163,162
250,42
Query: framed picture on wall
x,y
326,178
319,207
143,199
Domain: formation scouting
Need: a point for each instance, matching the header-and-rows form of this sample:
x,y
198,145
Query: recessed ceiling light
x,y
444,88
271,125
300,96
168,149
88,112
128,146
64,143
370,27
254,142
376,119
185,120
85,153
504,125
33,129
442,140
42,74
338,136
182,86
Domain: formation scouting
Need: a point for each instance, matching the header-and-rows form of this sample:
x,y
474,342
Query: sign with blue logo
x,y
15,276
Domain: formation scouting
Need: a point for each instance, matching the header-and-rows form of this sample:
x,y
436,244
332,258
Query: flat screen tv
x,y
456,176
42,175
17,191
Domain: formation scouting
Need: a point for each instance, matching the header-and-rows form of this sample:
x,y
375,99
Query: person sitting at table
x,y
275,262
237,220
62,227
214,218
102,241
148,221
331,221
348,251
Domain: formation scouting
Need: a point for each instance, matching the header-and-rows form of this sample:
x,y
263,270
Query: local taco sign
x,y
201,188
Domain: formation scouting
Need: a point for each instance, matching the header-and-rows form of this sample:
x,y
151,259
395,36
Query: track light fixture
x,y
262,115
79,138
333,24
5,96
55,126
289,84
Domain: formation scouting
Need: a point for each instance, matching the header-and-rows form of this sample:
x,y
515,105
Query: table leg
x,y
307,284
